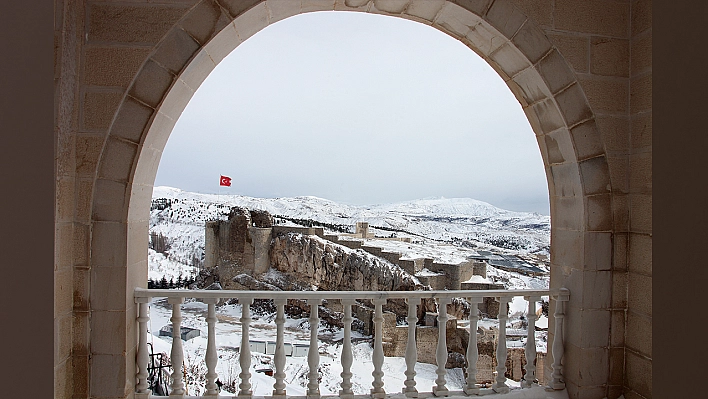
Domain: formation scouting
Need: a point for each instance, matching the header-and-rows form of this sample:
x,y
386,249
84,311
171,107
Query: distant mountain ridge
x,y
460,221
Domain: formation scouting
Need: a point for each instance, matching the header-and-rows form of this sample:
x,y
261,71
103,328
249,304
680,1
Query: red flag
x,y
225,181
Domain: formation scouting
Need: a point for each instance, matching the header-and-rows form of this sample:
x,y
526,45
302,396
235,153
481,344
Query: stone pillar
x,y
260,237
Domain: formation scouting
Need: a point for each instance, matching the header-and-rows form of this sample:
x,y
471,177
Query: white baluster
x,y
245,351
176,355
211,358
279,386
441,352
472,351
347,356
313,355
378,357
143,357
530,375
557,375
500,384
411,350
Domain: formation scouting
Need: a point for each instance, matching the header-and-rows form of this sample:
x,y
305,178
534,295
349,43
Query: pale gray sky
x,y
360,109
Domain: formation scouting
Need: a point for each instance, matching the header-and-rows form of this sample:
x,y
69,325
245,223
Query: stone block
x,y
619,174
641,16
63,289
639,294
640,180
251,21
137,243
175,50
609,56
425,9
112,66
568,213
640,254
593,16
281,9
157,136
598,212
598,251
81,289
641,130
238,7
511,60
505,17
177,99
574,49
606,95
614,131
638,373
351,5
538,11
589,329
641,213
620,212
619,290
63,246
81,244
595,176
478,7
108,243
616,376
131,23
223,43
573,105
586,140
641,54
459,22
80,333
566,248
619,255
322,5
548,116
117,161
555,71
65,188
62,386
640,93
532,42
388,7
108,287
617,328
88,150
108,333
83,200
151,84
202,22
132,119
62,338
108,376
597,290
639,334
532,87
566,180
80,374
98,109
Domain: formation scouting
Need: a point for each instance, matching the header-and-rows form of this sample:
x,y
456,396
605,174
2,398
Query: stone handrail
x,y
348,298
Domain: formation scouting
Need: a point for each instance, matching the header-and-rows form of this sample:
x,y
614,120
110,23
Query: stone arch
x,y
513,44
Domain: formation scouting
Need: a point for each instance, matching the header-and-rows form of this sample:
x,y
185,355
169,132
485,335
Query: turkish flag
x,y
225,181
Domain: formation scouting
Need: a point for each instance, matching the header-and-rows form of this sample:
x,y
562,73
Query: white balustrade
x,y
177,355
348,298
313,354
347,355
411,350
441,352
472,350
279,357
245,351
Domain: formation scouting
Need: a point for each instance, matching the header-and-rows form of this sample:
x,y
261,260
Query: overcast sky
x,y
357,108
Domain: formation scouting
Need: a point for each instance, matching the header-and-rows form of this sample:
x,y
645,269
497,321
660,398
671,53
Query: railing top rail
x,y
205,294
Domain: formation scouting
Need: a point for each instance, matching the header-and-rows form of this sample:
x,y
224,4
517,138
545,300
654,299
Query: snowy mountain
x,y
464,222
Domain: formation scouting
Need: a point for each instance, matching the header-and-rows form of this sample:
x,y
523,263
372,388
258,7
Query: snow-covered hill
x,y
461,221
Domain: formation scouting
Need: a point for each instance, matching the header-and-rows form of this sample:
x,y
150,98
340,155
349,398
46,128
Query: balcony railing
x,y
348,298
